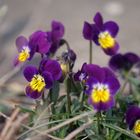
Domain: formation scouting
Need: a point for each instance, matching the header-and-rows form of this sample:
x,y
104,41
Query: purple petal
x,y
116,62
29,72
87,31
20,42
48,79
113,84
131,57
57,30
39,41
102,106
98,20
32,94
108,72
112,27
95,71
53,67
54,47
113,50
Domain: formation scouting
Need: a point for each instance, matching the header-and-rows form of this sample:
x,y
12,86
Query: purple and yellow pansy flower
x,y
103,34
101,87
39,79
25,51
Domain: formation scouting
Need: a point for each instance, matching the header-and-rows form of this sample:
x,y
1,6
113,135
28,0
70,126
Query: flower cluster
x,y
45,43
92,84
103,34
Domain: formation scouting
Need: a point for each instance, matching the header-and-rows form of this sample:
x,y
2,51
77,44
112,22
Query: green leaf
x,y
122,131
26,110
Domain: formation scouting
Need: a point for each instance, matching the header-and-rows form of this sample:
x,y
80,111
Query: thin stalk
x,y
68,88
90,52
99,122
82,99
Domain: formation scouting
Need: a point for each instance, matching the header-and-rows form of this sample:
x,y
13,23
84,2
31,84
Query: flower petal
x,y
29,72
32,94
98,20
48,79
113,84
53,67
131,58
20,42
57,30
112,27
87,31
113,50
116,62
95,71
108,72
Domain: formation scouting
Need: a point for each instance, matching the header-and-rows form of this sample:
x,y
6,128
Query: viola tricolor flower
x,y
103,34
102,86
123,61
41,78
55,35
26,52
39,40
133,119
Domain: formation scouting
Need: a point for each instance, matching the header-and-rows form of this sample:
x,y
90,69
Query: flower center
x,y
24,54
106,40
100,93
137,127
37,83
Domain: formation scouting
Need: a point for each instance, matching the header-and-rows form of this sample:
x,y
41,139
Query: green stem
x,y
90,52
82,99
68,86
99,122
